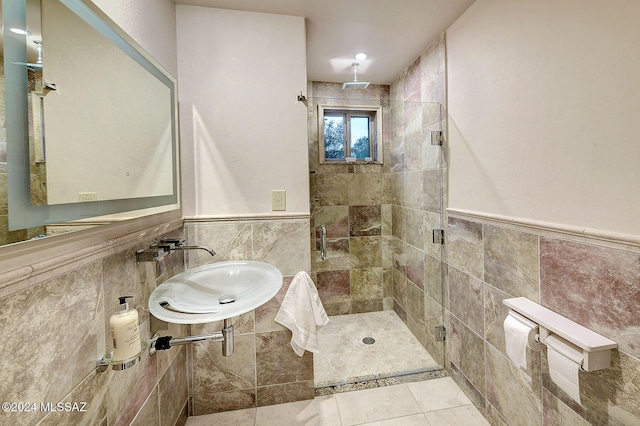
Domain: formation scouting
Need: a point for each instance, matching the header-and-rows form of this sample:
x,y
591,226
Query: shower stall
x,y
377,218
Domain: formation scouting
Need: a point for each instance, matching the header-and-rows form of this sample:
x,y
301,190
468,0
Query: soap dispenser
x,y
125,331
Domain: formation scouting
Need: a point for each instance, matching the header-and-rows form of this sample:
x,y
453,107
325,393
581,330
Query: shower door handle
x,y
323,242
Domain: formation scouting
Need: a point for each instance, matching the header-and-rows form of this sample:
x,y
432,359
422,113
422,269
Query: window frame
x,y
375,131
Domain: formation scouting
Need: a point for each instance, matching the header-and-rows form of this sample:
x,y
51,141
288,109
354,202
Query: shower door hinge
x,y
437,137
438,236
440,333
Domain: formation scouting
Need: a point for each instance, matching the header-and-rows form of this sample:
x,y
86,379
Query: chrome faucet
x,y
171,244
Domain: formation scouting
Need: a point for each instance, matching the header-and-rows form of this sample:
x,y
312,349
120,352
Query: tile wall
x,y
380,218
354,202
417,184
54,319
263,370
593,282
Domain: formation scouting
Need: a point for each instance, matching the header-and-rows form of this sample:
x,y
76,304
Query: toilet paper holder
x,y
596,349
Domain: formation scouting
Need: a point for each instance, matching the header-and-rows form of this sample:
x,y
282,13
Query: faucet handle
x,y
173,242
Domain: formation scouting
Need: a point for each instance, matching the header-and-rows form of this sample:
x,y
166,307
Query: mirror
x,y
90,129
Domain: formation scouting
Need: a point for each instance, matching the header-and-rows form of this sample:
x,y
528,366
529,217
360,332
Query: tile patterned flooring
x,y
436,402
350,364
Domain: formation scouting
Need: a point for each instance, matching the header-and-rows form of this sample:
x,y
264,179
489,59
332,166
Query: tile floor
x,y
430,403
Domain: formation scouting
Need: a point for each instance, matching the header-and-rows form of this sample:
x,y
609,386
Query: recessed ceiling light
x,y
361,56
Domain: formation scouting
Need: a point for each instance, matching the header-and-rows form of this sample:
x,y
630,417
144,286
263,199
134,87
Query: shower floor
x,y
346,363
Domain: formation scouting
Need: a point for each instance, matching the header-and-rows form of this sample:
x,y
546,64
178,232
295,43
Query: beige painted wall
x,y
544,112
243,133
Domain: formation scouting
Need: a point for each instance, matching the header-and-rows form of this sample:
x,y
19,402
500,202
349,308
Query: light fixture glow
x,y
361,56
20,31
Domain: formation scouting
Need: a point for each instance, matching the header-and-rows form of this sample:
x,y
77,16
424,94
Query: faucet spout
x,y
171,244
207,249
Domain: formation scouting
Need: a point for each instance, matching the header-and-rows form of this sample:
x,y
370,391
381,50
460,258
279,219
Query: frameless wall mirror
x,y
88,124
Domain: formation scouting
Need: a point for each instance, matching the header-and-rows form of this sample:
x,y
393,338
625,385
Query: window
x,y
350,134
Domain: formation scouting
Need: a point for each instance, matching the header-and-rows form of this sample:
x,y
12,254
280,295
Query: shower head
x,y
355,84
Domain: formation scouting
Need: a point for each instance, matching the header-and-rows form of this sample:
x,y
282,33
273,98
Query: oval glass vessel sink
x,y
215,291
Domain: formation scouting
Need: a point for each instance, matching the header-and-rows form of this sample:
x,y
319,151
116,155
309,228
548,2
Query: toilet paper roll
x,y
518,336
564,364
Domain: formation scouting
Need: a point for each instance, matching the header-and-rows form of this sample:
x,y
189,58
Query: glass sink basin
x,y
215,291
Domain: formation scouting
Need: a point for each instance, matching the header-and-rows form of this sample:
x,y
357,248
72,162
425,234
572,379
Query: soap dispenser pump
x,y
125,331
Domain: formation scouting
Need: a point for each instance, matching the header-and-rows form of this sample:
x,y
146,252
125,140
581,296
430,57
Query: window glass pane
x,y
360,146
333,137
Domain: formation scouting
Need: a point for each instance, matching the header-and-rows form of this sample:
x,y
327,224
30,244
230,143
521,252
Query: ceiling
x,y
391,32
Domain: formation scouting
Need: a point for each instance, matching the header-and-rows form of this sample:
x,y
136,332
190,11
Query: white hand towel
x,y
302,313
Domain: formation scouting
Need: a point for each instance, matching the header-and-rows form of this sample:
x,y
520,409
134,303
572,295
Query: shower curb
x,y
380,382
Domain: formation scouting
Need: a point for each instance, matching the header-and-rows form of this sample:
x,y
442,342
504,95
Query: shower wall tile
x,y
413,189
416,223
432,190
413,145
415,266
337,256
366,252
336,219
367,189
331,190
399,225
399,287
366,284
415,304
430,153
597,287
334,286
386,218
433,278
511,261
412,79
464,246
365,221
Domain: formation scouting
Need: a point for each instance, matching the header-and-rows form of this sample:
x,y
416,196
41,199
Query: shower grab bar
x,y
323,242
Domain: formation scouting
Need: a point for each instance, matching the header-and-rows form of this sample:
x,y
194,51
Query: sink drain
x,y
227,298
368,340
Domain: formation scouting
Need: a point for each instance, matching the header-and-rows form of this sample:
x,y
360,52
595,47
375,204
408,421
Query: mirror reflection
x,y
89,126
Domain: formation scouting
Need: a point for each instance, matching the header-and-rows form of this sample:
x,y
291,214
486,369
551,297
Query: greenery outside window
x,y
350,134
